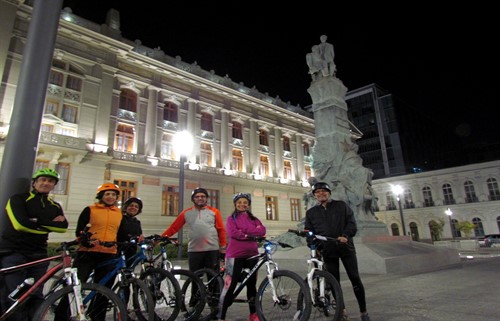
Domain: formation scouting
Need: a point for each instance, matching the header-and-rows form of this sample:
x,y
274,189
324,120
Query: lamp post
x,y
450,213
183,144
398,191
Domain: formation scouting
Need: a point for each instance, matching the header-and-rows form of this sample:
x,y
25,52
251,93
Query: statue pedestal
x,y
382,255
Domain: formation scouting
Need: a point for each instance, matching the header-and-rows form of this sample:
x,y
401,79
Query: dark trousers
x,y
201,260
12,280
350,263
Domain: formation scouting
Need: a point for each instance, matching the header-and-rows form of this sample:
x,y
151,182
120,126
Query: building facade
x,y
113,109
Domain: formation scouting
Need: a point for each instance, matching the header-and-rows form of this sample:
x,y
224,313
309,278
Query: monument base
x,y
384,255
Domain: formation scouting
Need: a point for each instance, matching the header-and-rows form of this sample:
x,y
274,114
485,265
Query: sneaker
x,y
365,317
253,317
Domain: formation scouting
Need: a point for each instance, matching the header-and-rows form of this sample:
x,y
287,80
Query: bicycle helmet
x,y
46,172
321,185
198,190
242,195
107,187
130,201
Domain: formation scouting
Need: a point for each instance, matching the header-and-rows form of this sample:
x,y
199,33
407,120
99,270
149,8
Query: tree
x,y
465,227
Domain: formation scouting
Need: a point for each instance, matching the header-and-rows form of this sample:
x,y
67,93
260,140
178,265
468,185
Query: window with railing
x,y
205,154
263,137
295,209
493,191
287,170
307,172
271,208
306,149
237,160
61,187
264,165
206,122
427,196
213,198
448,195
170,200
128,100
124,138
478,226
170,112
74,83
391,204
128,189
470,192
408,199
167,147
237,131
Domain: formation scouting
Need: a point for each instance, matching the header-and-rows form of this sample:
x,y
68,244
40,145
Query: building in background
x,y
114,105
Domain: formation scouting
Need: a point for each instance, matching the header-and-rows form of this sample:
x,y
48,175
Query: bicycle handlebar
x,y
307,233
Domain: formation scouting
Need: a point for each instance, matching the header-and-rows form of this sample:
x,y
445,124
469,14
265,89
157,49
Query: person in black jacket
x,y
32,216
130,228
335,219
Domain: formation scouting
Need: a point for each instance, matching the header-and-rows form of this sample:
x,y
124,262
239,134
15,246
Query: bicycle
x,y
192,289
282,295
83,298
325,290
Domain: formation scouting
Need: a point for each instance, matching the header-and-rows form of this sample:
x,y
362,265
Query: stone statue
x,y
327,54
316,63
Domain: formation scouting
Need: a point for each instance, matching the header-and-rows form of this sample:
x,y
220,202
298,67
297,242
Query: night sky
x,y
445,64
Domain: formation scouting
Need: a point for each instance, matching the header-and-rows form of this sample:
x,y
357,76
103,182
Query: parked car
x,y
492,240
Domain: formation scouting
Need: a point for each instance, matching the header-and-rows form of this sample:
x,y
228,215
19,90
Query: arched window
x,y
470,192
494,192
391,205
427,194
167,147
124,138
306,149
395,229
448,194
478,226
408,199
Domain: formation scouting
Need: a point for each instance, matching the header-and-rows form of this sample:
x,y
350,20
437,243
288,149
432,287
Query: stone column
x,y
104,107
278,150
224,140
254,153
151,122
300,158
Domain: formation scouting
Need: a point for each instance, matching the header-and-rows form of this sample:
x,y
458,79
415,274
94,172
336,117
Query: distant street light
x,y
450,213
183,144
398,191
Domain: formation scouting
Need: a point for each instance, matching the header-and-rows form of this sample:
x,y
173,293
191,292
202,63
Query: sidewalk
x,y
453,294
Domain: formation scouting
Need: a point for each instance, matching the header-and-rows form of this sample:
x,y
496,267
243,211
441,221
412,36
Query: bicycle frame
x,y
70,277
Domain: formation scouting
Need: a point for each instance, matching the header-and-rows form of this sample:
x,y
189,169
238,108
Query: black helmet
x,y
242,195
130,201
198,190
321,185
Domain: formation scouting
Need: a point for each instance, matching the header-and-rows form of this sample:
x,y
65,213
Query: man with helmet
x,y
335,219
207,236
32,217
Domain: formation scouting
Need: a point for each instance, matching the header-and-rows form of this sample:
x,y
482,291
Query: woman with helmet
x,y
31,217
130,228
207,236
242,226
335,219
102,219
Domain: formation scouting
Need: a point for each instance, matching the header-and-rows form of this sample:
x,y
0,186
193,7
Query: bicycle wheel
x,y
326,307
166,293
213,284
99,303
142,305
293,298
193,294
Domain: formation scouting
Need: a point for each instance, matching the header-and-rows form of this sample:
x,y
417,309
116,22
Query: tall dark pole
x,y
401,215
22,139
181,202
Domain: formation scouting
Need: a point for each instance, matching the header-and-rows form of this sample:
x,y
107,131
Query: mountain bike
x,y
282,295
193,293
325,290
82,298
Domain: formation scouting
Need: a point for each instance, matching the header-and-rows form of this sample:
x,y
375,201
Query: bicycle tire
x,y
213,284
291,306
142,303
100,299
329,307
193,294
166,293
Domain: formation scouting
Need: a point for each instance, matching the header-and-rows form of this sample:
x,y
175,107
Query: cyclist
x,y
241,226
336,219
207,237
32,217
130,228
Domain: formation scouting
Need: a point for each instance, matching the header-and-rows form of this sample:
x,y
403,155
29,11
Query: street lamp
x,y
183,144
450,213
398,191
